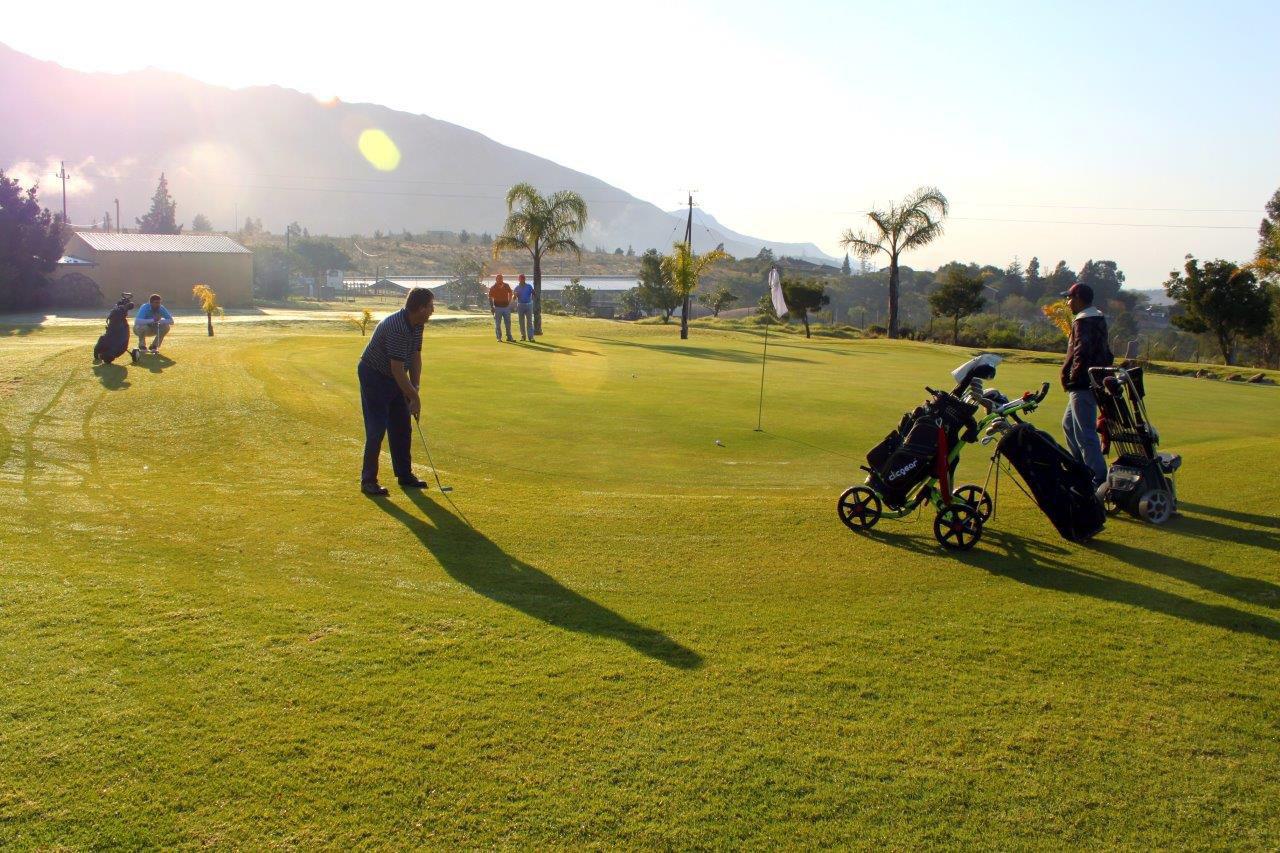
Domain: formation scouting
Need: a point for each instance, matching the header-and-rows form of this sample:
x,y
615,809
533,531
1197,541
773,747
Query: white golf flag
x,y
775,290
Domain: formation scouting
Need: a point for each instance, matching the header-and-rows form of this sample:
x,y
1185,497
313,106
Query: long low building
x,y
168,264
606,290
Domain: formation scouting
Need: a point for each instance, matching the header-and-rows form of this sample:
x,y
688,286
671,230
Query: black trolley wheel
x,y
957,527
976,497
859,508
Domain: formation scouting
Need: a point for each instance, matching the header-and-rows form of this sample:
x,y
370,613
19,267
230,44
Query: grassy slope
x,y
207,635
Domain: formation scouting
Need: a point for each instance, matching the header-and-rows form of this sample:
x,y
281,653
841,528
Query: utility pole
x,y
118,225
63,174
688,242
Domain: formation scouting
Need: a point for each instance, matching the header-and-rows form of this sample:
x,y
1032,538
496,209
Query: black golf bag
x,y
115,340
909,455
1141,480
1061,485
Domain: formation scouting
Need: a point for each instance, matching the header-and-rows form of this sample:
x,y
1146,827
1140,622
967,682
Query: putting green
x,y
208,636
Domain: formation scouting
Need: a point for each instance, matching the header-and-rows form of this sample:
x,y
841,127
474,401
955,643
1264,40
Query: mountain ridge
x,y
280,155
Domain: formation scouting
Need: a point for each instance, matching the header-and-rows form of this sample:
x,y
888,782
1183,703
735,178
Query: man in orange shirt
x,y
500,297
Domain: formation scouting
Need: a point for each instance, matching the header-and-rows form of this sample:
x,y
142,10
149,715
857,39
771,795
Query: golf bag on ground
x,y
1061,485
115,340
909,455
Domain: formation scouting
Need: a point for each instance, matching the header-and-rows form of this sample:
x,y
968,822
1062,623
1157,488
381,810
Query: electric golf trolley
x,y
1140,480
916,463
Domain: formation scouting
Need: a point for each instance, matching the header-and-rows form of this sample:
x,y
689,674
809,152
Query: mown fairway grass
x,y
208,637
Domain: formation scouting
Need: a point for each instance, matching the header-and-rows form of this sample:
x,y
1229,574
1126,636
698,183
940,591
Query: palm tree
x,y
541,225
915,222
682,270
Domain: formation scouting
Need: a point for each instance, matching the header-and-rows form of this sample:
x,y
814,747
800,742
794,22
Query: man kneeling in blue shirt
x,y
152,319
390,372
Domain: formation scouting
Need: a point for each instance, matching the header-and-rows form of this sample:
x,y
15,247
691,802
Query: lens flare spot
x,y
379,150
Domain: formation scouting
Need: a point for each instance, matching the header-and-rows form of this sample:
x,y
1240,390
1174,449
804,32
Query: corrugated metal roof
x,y
181,243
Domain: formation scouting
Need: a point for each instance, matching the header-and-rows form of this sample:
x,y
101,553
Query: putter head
x,y
446,489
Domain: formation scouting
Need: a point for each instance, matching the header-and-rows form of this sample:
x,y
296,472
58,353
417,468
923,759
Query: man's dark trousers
x,y
385,413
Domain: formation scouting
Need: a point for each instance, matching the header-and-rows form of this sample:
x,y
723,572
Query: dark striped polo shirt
x,y
394,339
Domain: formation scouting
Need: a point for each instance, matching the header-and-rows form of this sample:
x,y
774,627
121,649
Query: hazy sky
x,y
1065,130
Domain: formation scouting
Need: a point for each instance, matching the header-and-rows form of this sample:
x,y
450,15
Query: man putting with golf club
x,y
390,372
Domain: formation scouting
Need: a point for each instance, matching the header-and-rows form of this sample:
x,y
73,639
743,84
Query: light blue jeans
x,y
1080,423
500,314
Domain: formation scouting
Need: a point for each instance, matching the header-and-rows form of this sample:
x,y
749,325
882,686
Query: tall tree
x,y
541,225
804,296
915,222
201,223
845,267
31,241
1059,280
1222,300
682,270
1271,221
1034,282
654,289
1104,277
958,296
161,218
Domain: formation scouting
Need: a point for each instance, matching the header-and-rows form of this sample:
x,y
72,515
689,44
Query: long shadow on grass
x,y
471,558
699,352
1268,521
560,349
1041,565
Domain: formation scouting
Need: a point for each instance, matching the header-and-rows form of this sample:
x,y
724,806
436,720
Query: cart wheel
x,y
976,497
859,508
958,527
1156,506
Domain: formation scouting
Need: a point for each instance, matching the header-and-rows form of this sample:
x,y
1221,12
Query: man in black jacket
x,y
1086,348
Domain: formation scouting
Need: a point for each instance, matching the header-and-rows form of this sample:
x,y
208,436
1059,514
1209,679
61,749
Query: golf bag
x,y
909,455
1141,480
115,340
1061,485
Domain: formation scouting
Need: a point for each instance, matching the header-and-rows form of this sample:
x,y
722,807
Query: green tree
x,y
320,256
1123,328
31,241
161,218
576,297
464,236
1222,300
717,300
201,223
764,307
466,281
654,290
271,272
1059,280
1104,277
683,269
293,230
845,267
1034,282
541,225
959,294
1271,221
915,222
804,296
632,304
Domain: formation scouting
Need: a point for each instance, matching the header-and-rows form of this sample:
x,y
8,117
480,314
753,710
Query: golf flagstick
x,y
780,308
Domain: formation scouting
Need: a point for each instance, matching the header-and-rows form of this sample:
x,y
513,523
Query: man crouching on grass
x,y
390,371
